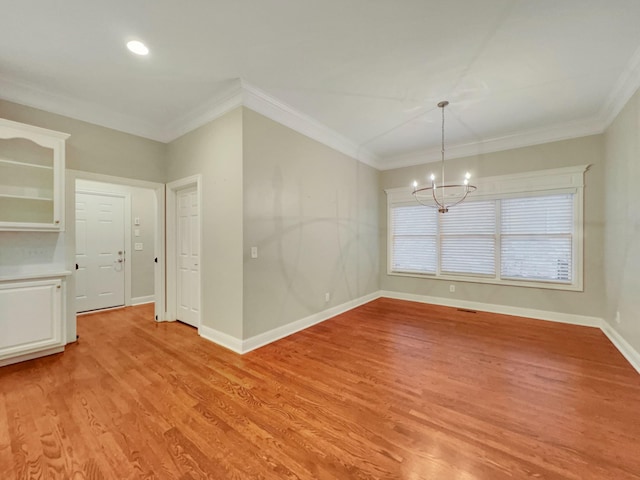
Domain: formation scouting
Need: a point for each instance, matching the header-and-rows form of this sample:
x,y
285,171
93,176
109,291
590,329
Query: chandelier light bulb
x,y
467,175
432,177
415,184
466,181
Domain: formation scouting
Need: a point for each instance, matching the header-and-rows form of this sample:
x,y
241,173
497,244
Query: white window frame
x,y
536,183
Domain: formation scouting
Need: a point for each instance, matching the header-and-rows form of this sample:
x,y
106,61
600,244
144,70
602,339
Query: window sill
x,y
491,280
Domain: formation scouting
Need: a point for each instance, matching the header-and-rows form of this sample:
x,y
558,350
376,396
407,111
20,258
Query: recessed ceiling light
x,y
137,47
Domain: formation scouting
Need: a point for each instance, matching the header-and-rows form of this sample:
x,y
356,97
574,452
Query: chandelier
x,y
442,196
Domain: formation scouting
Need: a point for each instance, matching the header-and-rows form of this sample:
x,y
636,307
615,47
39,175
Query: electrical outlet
x,y
617,317
137,246
452,288
327,297
136,232
254,252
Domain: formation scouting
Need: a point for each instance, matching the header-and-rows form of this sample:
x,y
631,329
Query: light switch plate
x,y
136,232
137,246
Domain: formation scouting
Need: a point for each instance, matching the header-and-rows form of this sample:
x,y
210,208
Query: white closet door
x,y
100,251
188,257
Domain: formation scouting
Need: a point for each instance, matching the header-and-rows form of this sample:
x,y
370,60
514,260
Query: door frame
x,y
171,242
159,239
127,236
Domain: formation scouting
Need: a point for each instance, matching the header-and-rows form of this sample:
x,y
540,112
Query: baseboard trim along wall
x,y
223,339
494,308
243,346
627,351
142,300
263,339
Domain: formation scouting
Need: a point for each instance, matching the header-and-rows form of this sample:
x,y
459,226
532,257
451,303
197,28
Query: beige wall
x,y
96,149
313,214
622,222
215,151
581,151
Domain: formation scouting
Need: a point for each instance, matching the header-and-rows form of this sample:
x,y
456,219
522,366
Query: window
x,y
522,233
537,235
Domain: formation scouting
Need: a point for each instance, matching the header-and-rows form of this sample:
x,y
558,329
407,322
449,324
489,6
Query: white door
x,y
100,252
188,257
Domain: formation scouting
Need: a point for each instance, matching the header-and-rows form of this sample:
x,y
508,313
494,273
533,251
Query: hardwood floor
x,y
390,390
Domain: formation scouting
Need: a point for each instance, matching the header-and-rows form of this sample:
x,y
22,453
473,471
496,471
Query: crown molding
x,y
35,97
627,84
278,111
222,103
553,133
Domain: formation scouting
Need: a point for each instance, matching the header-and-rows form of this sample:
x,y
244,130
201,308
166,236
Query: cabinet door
x,y
30,317
31,177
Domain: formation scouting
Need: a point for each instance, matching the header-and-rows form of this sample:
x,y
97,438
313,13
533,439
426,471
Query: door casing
x,y
171,244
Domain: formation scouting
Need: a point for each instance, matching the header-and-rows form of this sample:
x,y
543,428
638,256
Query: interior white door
x,y
188,257
100,251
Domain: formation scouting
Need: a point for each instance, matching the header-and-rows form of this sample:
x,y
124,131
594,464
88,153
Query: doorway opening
x,y
118,228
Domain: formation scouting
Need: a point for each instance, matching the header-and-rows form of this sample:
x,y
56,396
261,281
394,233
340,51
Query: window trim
x,y
535,183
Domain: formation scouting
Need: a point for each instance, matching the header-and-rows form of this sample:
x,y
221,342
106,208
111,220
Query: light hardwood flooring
x,y
390,390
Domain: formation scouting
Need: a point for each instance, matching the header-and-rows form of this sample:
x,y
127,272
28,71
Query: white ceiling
x,y
367,72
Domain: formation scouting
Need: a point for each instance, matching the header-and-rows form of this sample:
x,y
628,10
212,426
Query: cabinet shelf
x,y
26,197
17,163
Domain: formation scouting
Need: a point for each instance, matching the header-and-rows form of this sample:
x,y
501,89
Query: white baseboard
x,y
630,353
30,356
223,339
494,308
265,338
243,346
143,300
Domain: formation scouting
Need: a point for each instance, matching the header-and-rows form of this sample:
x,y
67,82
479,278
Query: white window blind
x,y
537,238
468,239
414,239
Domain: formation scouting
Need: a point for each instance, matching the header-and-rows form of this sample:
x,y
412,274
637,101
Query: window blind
x,y
468,239
414,239
537,237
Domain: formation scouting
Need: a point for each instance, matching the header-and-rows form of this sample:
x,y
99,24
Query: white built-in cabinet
x,y
31,177
32,299
31,318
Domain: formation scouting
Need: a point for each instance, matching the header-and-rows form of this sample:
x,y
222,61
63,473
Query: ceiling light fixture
x,y
449,195
137,47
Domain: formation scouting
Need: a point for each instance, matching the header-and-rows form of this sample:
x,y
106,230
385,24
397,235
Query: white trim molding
x,y
537,136
627,351
143,300
568,318
270,336
619,95
220,338
244,346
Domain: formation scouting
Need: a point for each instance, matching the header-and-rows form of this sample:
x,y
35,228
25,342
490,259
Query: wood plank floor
x,y
391,390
